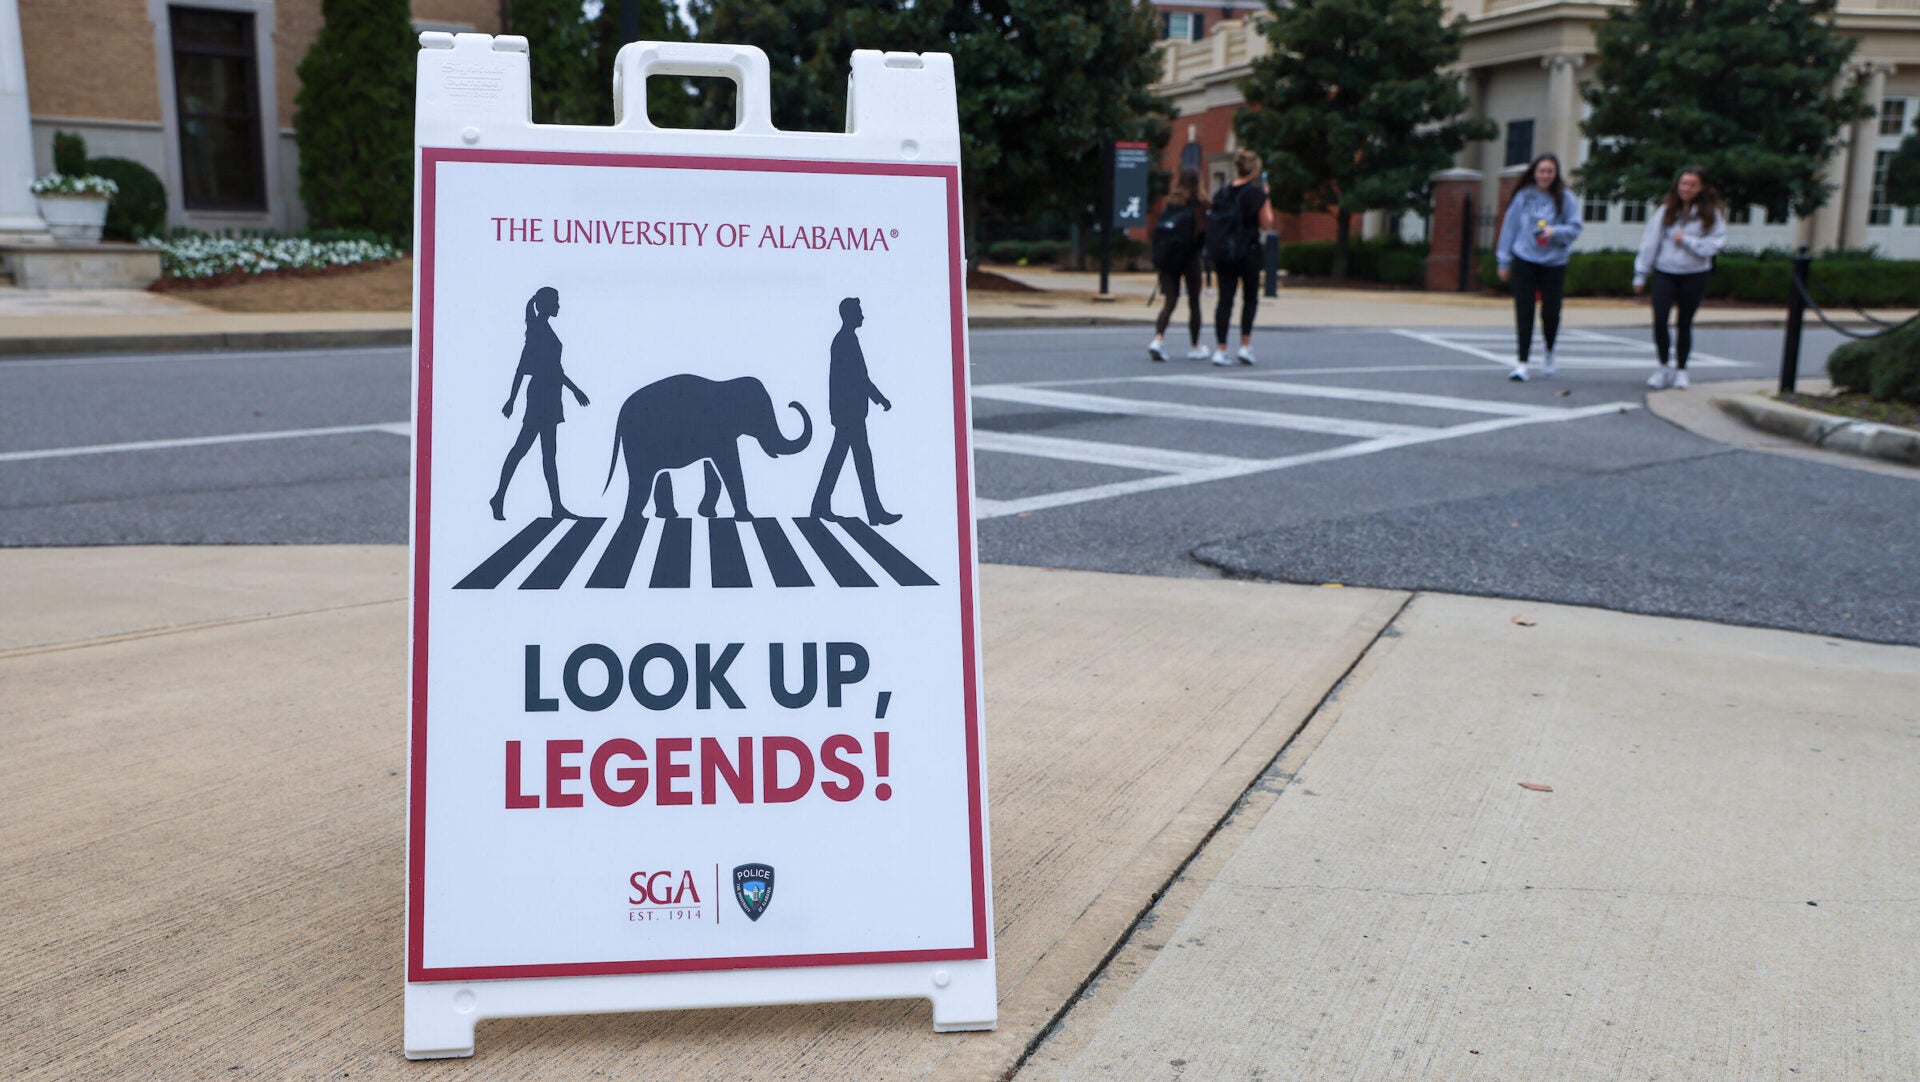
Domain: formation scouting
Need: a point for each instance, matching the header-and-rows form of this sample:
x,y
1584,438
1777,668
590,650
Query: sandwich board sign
x,y
695,671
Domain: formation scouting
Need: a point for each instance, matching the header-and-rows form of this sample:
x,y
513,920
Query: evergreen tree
x,y
1742,88
1350,108
354,118
572,47
1043,84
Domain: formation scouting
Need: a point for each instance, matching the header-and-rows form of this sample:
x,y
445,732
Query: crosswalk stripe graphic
x,y
781,559
903,570
617,562
553,570
728,562
839,563
494,571
672,568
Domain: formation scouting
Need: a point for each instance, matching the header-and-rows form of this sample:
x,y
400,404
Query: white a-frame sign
x,y
695,648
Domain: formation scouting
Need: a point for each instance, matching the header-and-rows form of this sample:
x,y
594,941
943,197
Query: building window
x,y
1893,116
1183,25
1878,212
1633,212
1519,142
217,98
1776,217
1594,210
1740,216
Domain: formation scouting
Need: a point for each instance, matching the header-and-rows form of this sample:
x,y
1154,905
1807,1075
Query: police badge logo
x,y
753,888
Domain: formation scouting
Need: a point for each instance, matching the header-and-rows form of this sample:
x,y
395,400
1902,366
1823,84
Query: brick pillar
x,y
1455,191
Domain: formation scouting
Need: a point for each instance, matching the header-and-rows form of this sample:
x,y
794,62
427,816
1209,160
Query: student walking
x,y
1235,220
1177,240
540,369
1539,226
1678,247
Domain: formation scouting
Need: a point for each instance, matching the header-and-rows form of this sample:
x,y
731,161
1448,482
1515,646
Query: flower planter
x,y
75,219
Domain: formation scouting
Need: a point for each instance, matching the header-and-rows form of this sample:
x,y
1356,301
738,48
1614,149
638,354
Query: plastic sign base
x,y
441,1016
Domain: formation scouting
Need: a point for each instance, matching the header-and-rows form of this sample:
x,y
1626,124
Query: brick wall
x,y
90,58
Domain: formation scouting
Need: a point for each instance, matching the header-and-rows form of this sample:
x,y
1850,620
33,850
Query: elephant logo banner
x,y
687,419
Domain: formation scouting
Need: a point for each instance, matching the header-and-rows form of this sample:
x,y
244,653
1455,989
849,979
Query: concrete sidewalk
x,y
38,322
206,806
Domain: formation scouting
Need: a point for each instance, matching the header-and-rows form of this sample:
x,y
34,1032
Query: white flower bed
x,y
208,257
62,184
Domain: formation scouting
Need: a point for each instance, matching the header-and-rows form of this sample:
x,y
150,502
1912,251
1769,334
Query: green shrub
x,y
1850,367
1389,261
69,153
1046,253
139,208
1007,251
1886,368
354,118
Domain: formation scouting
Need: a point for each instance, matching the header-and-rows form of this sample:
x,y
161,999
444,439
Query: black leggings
x,y
1247,277
1551,284
1170,285
1687,289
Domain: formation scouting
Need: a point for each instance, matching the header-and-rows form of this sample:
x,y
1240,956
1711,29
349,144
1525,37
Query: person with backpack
x,y
1176,256
1678,247
1235,221
1538,227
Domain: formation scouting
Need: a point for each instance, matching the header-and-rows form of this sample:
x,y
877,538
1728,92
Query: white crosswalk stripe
x,y
1176,469
1574,349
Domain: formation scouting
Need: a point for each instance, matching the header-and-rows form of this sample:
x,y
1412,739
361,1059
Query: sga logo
x,y
753,888
663,895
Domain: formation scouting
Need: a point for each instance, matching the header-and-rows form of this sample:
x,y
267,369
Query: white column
x,y
19,214
1562,136
1866,145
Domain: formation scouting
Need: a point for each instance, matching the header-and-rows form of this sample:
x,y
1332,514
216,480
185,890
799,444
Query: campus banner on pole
x,y
695,695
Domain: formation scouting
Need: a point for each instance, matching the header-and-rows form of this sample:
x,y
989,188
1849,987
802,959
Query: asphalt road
x,y
1397,458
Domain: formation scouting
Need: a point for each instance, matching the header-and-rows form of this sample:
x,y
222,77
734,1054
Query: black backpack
x,y
1227,243
1174,239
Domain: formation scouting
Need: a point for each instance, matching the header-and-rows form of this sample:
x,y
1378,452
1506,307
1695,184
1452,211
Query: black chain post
x,y
1273,264
1796,313
1468,227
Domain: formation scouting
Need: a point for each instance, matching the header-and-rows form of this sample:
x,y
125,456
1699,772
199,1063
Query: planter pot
x,y
75,219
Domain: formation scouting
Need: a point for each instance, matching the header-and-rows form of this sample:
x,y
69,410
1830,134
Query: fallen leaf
x,y
1561,394
1523,621
1536,787
1333,585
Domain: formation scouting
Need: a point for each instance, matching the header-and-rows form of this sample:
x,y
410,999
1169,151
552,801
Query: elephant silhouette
x,y
684,419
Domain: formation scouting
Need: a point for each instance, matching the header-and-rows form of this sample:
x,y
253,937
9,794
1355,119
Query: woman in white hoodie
x,y
1677,248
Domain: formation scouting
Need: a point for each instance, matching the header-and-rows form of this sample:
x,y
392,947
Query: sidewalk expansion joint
x,y
1259,784
178,629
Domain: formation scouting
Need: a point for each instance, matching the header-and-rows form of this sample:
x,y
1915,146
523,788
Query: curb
x,y
19,348
1825,430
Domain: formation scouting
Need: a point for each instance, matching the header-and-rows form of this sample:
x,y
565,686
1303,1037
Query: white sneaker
x,y
1244,355
1156,352
1680,380
1198,353
1662,377
1549,368
1221,359
1519,373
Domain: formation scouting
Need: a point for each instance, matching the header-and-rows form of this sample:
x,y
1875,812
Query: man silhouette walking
x,y
848,393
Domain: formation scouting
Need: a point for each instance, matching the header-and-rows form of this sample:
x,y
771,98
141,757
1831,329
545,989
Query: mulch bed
x,y
989,282
1859,407
235,277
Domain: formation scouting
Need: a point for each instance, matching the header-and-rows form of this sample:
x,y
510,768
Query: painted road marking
x,y
395,428
1032,395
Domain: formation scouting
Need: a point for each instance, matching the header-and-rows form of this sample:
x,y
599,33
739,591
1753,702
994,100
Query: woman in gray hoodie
x,y
1678,247
1541,222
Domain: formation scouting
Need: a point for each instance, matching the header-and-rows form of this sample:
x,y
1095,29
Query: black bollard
x,y
1796,313
1273,264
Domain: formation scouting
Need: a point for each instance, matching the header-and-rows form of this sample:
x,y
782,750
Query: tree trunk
x,y
1341,232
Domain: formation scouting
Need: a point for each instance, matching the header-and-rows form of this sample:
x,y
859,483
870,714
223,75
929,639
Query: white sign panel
x,y
695,660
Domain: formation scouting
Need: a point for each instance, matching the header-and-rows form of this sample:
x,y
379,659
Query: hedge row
x,y
1390,262
1882,282
1886,368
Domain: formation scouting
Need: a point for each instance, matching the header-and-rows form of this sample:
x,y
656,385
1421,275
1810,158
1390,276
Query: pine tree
x,y
1043,84
1350,108
572,46
354,118
1742,88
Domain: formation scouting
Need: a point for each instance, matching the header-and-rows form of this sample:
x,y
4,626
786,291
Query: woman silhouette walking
x,y
540,368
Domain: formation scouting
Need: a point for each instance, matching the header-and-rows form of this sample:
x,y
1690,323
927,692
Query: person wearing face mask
x,y
1677,248
1539,226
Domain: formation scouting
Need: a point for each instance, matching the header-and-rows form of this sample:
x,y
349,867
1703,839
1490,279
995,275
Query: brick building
x,y
1524,63
202,93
